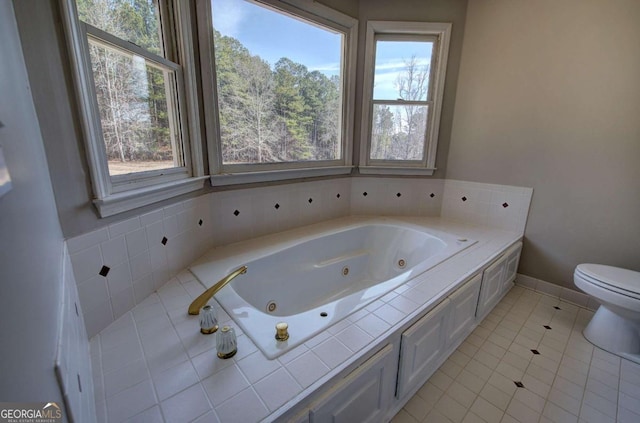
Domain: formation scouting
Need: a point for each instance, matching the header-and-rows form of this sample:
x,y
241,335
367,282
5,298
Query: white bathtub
x,y
313,280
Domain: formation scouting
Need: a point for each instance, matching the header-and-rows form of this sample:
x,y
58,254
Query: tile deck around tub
x,y
528,361
152,364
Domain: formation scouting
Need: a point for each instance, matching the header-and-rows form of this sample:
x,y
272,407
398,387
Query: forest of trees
x,y
267,114
287,113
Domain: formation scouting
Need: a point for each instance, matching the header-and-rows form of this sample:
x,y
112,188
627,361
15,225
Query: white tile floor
x,y
534,340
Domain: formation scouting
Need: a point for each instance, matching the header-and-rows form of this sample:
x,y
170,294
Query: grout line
x,y
530,359
510,303
146,363
537,307
486,382
575,318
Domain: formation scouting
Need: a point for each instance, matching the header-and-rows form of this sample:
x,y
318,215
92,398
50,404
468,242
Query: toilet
x,y
615,327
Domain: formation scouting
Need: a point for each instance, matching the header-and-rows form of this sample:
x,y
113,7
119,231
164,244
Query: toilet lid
x,y
624,279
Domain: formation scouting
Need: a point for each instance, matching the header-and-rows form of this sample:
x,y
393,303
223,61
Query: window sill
x,y
129,200
392,170
277,175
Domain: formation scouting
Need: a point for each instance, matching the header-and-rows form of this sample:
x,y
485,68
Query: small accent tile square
x,y
565,376
104,271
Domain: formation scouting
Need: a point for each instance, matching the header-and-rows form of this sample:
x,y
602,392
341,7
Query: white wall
x,y
43,340
549,97
31,243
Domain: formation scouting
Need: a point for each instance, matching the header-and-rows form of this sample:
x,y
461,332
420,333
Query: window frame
x,y
118,193
390,30
230,174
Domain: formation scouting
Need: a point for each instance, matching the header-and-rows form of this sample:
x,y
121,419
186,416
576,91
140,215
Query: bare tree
x,y
412,85
131,95
258,115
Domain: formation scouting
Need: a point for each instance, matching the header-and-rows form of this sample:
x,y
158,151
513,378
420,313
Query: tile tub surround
x,y
499,206
396,196
153,361
118,266
302,272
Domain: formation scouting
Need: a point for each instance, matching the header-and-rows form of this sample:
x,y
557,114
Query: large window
x,y
404,80
130,67
282,96
276,83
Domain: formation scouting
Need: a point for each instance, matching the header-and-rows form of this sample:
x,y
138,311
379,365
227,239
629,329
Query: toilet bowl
x,y
615,327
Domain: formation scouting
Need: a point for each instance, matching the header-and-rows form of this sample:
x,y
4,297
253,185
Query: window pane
x,y
397,132
402,70
137,111
136,21
279,85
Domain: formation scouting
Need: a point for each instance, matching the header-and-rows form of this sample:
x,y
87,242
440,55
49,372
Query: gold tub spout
x,y
204,298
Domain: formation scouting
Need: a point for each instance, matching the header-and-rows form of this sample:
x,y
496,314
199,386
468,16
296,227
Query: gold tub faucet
x,y
204,298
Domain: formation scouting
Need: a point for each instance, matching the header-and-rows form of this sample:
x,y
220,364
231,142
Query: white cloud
x,y
398,64
386,75
387,78
385,85
227,17
330,68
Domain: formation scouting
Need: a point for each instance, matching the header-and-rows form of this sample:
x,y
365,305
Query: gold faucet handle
x,y
282,331
203,299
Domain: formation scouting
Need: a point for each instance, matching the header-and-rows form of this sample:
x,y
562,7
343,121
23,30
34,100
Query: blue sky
x,y
391,57
272,36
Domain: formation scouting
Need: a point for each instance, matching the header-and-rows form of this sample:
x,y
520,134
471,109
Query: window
x,y
281,94
405,67
134,77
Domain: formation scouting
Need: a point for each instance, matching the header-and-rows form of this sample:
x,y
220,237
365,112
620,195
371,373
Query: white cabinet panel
x,y
367,394
491,290
511,265
463,310
497,279
421,347
362,396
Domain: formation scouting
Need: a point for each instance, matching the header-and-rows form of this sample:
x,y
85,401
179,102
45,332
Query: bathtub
x,y
313,278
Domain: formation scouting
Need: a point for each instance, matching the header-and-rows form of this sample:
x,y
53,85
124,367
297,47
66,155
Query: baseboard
x,y
569,295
